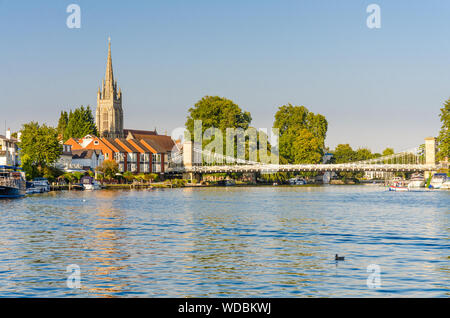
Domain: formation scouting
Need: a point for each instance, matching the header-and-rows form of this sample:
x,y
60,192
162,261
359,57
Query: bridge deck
x,y
306,167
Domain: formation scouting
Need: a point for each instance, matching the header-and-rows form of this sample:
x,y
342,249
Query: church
x,y
137,151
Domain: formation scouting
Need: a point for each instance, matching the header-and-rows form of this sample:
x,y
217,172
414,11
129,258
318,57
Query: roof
x,y
10,139
162,142
138,134
150,143
84,153
115,144
129,145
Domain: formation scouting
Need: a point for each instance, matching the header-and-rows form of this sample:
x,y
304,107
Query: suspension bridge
x,y
191,159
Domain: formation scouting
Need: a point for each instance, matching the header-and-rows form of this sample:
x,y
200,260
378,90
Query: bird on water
x,y
339,258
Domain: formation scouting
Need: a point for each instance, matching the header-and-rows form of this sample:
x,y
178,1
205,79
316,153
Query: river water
x,y
227,242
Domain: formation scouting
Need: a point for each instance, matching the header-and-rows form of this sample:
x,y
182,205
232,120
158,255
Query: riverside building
x,y
137,151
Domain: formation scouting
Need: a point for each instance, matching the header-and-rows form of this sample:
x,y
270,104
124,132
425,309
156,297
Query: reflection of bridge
x,y
191,160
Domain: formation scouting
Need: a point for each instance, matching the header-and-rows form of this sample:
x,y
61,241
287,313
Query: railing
x,y
6,182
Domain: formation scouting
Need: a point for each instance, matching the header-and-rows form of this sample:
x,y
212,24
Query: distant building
x,y
109,113
9,150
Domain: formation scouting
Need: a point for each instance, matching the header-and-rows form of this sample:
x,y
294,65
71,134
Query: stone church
x,y
109,114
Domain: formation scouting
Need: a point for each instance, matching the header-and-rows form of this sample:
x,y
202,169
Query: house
x,y
87,159
9,150
65,160
141,152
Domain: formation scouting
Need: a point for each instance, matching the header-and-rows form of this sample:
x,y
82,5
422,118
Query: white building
x,y
87,159
9,150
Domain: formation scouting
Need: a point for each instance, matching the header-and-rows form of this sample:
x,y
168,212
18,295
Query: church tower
x,y
109,113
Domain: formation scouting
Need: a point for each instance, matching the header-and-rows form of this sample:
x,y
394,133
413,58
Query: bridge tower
x,y
430,151
430,154
190,159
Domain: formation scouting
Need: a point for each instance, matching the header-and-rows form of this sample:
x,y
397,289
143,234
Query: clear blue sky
x,y
377,88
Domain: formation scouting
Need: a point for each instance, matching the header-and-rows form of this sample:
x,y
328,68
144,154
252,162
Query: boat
x,y
446,184
398,188
89,183
398,185
41,185
297,181
439,180
416,181
31,189
12,182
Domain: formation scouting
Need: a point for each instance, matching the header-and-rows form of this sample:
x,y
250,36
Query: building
x,y
109,113
87,159
145,155
65,160
137,151
9,150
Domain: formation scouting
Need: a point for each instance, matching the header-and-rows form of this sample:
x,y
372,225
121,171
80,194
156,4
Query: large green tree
x,y
308,148
292,121
39,148
220,113
444,134
77,124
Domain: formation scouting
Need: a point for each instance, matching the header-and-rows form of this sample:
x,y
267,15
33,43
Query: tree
x,y
388,152
128,176
308,148
39,147
344,154
109,168
62,123
292,121
77,175
80,123
363,154
444,134
219,112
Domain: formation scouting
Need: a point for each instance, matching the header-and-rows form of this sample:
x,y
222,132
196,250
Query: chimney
x,y
8,134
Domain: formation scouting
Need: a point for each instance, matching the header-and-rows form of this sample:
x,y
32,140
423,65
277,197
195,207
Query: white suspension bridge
x,y
193,160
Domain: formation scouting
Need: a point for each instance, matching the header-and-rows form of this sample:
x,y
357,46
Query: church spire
x,y
109,76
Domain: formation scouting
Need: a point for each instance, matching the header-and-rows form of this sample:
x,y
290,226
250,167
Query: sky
x,y
377,88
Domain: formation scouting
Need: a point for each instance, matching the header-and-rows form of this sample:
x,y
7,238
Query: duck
x,y
339,258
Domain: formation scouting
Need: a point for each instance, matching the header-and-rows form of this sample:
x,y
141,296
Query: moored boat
x,y
12,182
416,181
438,180
398,188
89,183
41,185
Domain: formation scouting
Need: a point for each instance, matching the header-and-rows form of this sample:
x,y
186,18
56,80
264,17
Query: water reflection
x,y
227,242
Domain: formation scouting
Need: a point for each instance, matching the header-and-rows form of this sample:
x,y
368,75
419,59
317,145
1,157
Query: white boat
x,y
398,185
398,188
438,180
297,181
89,183
416,181
41,185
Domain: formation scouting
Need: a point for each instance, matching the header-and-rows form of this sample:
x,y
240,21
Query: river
x,y
227,242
